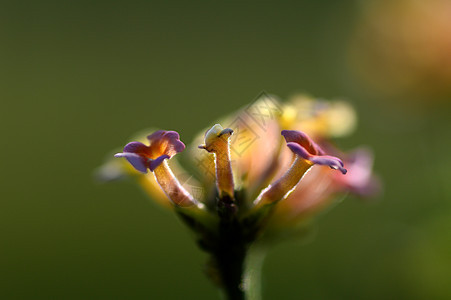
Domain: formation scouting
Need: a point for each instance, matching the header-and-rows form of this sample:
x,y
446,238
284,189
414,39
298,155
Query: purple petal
x,y
172,135
135,147
138,162
177,146
326,160
156,136
172,138
331,161
154,163
294,136
299,150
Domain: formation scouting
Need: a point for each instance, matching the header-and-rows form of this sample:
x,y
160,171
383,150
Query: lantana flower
x,y
262,178
163,145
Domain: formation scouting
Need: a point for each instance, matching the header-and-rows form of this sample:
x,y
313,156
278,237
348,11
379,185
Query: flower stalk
x,y
172,187
217,142
284,185
232,219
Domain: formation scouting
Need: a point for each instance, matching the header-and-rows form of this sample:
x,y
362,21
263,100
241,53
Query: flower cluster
x,y
270,170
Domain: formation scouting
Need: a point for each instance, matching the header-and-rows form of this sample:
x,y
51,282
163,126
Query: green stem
x,y
230,253
253,273
241,274
231,269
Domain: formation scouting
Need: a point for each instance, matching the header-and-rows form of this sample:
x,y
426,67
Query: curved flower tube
x,y
307,154
304,147
217,142
254,147
320,188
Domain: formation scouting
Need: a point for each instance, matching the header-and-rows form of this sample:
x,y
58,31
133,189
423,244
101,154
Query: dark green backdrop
x,y
78,78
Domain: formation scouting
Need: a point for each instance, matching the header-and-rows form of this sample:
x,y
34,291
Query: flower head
x,y
163,145
304,147
260,177
251,161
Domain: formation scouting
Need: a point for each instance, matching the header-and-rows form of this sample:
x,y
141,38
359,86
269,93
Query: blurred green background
x,y
79,78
